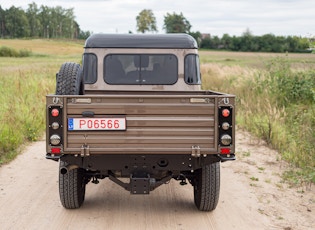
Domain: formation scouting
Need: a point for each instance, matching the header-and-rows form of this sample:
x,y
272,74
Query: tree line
x,y
57,22
249,42
39,21
177,23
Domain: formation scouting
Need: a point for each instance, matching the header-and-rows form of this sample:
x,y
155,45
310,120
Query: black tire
x,y
207,187
71,187
69,79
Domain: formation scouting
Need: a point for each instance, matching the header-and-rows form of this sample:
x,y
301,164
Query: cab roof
x,y
160,41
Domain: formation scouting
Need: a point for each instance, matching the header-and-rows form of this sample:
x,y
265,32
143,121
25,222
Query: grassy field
x,y
275,96
257,60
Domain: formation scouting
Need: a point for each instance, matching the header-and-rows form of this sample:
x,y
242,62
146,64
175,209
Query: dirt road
x,y
252,197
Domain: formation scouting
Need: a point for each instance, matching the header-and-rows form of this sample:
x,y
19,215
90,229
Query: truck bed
x,y
156,122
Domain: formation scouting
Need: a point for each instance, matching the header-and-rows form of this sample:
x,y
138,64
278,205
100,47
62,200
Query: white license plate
x,y
97,123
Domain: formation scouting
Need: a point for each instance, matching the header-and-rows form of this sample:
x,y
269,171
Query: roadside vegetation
x,y
25,80
275,101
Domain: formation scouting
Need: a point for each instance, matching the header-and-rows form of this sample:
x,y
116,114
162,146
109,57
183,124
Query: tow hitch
x,y
140,183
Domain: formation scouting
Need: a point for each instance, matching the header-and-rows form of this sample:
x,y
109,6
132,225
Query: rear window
x,y
140,69
89,63
192,71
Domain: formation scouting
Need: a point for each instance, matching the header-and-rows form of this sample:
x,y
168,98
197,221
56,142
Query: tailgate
x,y
151,124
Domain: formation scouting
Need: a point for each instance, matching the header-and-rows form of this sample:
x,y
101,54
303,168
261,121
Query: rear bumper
x,y
150,163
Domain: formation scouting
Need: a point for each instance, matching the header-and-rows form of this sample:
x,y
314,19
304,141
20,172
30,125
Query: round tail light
x,y
225,112
226,139
55,112
225,125
55,139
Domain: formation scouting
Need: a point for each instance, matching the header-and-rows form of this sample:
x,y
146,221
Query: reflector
x,y
55,150
225,151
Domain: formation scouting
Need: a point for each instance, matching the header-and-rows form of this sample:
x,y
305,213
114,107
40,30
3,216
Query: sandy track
x,y
29,198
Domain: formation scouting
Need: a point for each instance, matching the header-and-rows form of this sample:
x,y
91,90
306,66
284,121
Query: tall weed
x,y
22,112
276,104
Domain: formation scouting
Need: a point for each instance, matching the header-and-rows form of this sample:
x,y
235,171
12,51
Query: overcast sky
x,y
279,17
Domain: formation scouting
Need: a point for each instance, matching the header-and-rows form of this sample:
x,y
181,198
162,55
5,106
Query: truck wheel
x,y
69,79
71,187
207,187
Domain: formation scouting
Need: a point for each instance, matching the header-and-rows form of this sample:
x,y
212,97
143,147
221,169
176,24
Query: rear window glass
x,y
192,71
89,63
140,69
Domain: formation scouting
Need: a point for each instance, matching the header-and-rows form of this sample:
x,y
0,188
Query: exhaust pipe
x,y
66,169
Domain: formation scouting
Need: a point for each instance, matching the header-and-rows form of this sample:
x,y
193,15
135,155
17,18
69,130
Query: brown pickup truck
x,y
135,113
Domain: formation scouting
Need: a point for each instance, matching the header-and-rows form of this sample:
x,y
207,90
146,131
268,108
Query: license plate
x,y
97,123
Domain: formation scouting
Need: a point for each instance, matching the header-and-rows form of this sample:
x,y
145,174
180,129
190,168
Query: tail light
x,y
55,139
226,139
225,129
225,112
55,112
55,130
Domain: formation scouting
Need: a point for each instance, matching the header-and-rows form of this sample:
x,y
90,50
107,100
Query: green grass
x,y
275,101
24,83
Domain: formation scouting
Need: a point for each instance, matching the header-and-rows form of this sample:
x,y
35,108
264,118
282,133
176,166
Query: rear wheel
x,y
207,187
69,79
71,187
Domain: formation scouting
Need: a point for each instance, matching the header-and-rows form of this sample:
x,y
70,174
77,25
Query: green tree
x,y
206,43
2,22
176,23
197,36
146,21
16,23
32,16
226,41
44,17
246,40
71,26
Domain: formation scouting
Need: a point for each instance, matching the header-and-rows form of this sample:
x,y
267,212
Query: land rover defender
x,y
134,113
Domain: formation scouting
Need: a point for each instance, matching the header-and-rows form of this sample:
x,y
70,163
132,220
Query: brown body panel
x,y
173,123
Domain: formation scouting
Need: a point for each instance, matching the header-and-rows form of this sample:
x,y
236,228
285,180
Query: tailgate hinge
x,y
195,151
85,150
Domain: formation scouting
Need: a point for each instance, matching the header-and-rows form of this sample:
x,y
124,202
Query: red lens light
x,y
55,150
225,151
225,112
54,112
